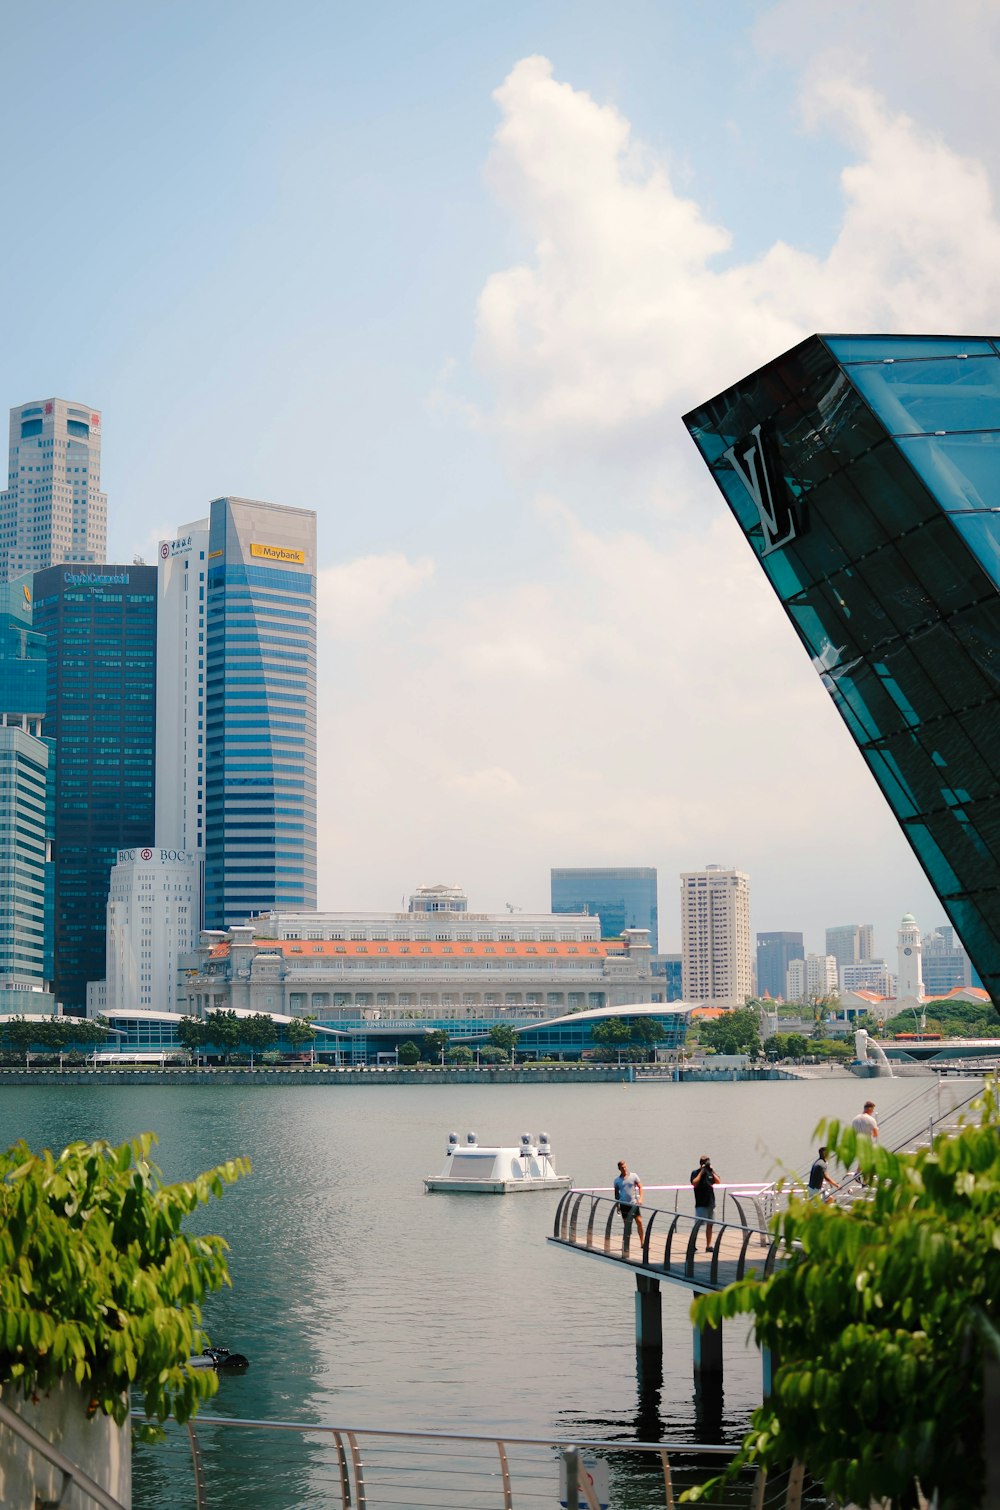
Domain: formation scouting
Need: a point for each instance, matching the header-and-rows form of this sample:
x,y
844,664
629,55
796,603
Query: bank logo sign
x,y
278,553
170,548
750,461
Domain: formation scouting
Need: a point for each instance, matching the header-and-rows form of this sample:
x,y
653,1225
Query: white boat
x,y
476,1170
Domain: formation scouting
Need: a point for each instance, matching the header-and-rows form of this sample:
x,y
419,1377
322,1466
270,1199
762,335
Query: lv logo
x,y
751,467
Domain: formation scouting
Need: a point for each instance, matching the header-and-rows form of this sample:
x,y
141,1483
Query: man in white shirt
x,y
865,1126
628,1194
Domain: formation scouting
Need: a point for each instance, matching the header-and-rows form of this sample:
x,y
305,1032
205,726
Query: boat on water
x,y
474,1169
221,1359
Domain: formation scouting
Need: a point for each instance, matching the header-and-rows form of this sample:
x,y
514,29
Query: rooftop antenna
x,y
511,907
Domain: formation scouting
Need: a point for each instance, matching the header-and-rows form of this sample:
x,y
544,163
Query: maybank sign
x,y
150,856
277,553
95,579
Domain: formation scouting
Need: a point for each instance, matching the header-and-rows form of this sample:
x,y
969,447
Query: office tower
x,y
624,896
24,766
181,588
260,711
850,943
811,979
715,935
152,919
667,967
775,952
99,624
945,964
864,472
868,975
53,509
909,947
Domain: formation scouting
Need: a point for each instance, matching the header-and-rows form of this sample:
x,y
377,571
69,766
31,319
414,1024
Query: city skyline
x,y
486,414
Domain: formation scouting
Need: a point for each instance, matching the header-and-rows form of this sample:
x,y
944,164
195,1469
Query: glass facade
x,y
865,473
99,624
260,711
775,952
623,896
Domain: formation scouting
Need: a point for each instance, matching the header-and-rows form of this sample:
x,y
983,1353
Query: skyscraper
x,y
864,472
260,711
623,895
99,624
53,509
811,979
945,963
850,943
24,763
715,935
181,587
775,952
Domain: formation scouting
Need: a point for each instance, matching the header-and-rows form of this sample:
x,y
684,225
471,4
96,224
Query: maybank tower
x,y
236,707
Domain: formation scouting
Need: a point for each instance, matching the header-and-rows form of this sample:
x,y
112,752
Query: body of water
x,y
363,1301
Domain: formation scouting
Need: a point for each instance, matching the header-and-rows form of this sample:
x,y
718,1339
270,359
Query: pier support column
x,y
648,1314
707,1351
708,1395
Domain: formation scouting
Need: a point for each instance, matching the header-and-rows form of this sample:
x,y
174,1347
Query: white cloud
x,y
621,316
356,597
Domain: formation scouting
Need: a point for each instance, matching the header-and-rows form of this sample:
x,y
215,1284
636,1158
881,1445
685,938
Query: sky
x,y
449,273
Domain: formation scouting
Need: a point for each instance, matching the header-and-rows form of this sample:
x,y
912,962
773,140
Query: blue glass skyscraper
x,y
99,624
623,895
864,472
260,711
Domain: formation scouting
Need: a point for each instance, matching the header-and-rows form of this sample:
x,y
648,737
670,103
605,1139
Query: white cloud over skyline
x,y
645,700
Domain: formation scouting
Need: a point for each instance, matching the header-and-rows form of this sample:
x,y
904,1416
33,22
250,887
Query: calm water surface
x,y
362,1301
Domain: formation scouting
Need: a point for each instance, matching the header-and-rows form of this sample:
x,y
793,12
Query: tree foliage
x,y
258,1032
735,1032
786,1046
434,1045
503,1036
300,1032
97,1281
225,1030
878,1315
408,1052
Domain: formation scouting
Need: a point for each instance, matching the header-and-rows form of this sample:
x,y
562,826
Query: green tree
x,y
434,1046
299,1032
874,1312
85,1032
194,1034
503,1036
612,1033
258,1032
225,1030
735,1032
408,1053
20,1034
492,1055
97,1281
462,1054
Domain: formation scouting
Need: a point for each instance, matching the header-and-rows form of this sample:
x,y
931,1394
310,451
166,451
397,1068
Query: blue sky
x,y
449,273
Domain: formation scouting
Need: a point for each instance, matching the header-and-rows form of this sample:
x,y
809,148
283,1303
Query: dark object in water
x,y
221,1359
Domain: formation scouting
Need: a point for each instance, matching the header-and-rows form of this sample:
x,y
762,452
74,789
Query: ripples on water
x,y
362,1301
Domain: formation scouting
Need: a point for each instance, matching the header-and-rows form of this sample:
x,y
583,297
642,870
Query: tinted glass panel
x,y
981,532
963,471
877,348
920,397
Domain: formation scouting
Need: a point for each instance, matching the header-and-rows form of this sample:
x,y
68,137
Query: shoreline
x,y
549,1074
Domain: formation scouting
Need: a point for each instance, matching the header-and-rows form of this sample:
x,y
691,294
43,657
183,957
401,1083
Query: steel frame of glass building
x,y
864,472
624,896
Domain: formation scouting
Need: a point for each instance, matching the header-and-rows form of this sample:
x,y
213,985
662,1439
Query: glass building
x,y
775,952
624,896
24,821
865,473
99,624
260,711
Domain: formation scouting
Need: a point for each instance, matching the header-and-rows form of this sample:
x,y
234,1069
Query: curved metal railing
x,y
71,1472
669,1245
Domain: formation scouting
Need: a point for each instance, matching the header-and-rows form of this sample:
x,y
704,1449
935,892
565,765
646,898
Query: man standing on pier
x,y
628,1194
704,1179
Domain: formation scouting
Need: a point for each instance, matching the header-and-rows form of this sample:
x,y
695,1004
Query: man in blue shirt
x,y
628,1194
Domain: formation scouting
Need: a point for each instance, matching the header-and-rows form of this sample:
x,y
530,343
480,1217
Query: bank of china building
x,y
864,472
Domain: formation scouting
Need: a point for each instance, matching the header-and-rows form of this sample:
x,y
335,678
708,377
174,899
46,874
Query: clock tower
x,y
910,980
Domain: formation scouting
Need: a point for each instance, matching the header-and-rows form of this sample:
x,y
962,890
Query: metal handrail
x,y
352,1486
566,1223
72,1473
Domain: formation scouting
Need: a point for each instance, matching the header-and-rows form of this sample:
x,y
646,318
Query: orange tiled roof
x,y
421,948
710,1012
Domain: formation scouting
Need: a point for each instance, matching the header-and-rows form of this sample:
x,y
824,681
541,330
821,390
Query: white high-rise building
x,y
812,978
715,936
910,976
180,694
869,975
152,921
53,509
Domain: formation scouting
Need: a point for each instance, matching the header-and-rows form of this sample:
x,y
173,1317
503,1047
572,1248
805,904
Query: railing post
x,y
571,1458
